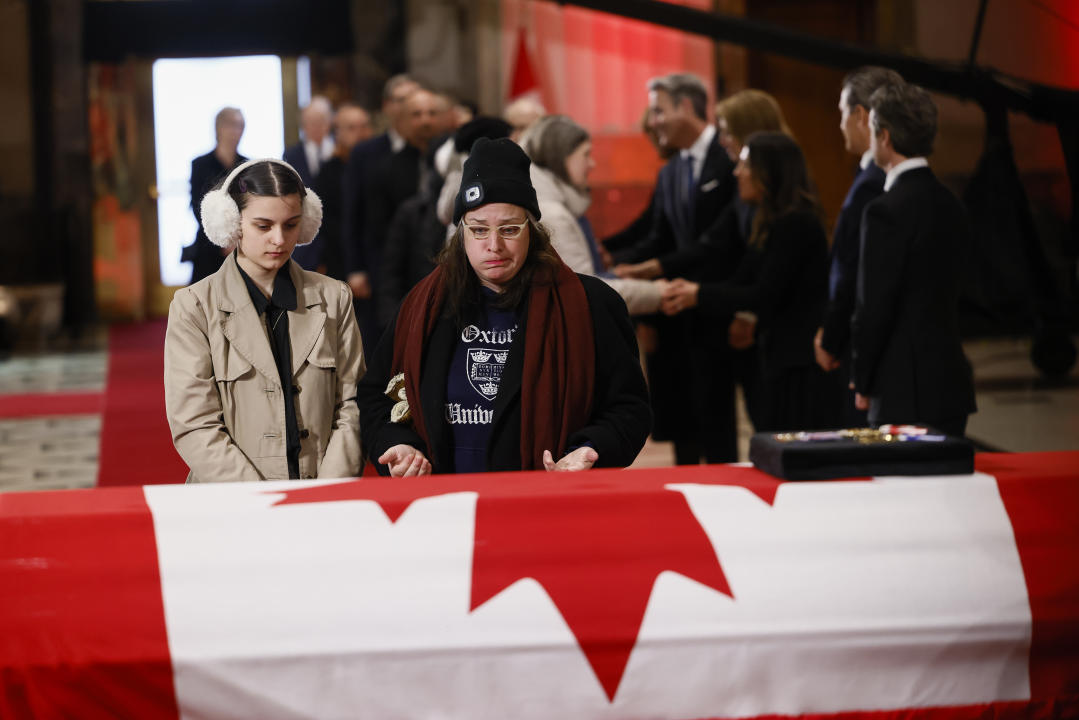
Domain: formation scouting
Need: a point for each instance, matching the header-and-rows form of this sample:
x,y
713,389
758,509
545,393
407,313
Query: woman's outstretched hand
x,y
583,458
405,461
679,295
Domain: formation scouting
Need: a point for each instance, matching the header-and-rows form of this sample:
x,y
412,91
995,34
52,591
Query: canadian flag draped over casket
x,y
670,593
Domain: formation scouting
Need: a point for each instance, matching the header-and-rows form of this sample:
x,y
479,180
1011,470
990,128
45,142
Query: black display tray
x,y
818,456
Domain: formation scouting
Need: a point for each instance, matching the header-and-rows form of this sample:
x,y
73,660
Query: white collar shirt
x,y
397,142
317,153
867,159
908,164
698,151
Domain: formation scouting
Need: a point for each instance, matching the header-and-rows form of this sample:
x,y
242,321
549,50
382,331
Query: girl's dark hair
x,y
463,287
778,165
265,179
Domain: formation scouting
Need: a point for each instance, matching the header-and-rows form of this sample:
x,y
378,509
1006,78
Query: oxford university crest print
x,y
484,368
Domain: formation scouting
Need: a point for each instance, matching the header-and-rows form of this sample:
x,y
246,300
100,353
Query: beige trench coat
x,y
222,390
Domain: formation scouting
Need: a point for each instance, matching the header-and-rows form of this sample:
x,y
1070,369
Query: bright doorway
x,y
188,93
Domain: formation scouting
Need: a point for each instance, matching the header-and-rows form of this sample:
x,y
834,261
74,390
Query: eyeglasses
x,y
506,232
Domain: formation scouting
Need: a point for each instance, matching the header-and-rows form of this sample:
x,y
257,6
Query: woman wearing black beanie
x,y
503,358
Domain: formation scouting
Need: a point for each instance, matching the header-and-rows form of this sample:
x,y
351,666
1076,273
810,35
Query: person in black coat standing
x,y
908,362
206,170
360,261
690,373
782,279
352,125
503,358
308,157
832,343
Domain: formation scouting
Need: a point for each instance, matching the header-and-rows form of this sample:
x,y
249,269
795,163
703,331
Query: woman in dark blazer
x,y
781,286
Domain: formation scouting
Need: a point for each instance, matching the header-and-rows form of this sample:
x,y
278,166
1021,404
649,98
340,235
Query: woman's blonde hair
x,y
750,111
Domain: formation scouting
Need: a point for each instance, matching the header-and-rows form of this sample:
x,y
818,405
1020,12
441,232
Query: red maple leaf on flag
x,y
548,526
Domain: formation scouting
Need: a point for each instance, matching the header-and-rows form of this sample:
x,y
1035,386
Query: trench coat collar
x,y
241,323
306,323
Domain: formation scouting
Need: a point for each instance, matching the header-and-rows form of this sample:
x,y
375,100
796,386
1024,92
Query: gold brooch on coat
x,y
399,413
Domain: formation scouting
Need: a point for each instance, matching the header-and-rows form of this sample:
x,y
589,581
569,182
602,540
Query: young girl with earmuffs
x,y
262,358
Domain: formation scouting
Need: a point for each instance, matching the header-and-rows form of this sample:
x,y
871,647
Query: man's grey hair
x,y
909,115
683,85
319,104
223,116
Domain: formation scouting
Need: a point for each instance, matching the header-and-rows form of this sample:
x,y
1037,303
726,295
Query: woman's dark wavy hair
x,y
778,165
265,179
462,286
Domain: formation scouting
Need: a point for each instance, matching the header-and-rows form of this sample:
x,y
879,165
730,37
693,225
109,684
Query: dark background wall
x,y
47,46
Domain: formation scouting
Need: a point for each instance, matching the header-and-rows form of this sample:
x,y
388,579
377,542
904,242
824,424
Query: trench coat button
x,y
304,433
295,389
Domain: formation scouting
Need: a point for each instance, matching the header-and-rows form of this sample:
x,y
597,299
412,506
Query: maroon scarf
x,y
559,373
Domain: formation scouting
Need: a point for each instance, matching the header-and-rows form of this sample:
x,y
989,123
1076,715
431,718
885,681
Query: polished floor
x,y
1018,411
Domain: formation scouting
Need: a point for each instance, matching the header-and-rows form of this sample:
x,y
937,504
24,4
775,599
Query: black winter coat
x,y
621,418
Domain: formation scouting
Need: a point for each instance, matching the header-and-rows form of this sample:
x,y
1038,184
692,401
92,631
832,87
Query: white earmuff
x,y
221,215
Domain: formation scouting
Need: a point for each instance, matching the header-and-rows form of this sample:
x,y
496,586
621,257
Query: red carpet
x,y
136,446
28,405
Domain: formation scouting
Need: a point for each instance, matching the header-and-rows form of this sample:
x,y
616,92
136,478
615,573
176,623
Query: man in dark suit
x,y
206,171
308,156
399,177
316,147
832,343
690,373
363,160
364,157
352,125
696,183
907,359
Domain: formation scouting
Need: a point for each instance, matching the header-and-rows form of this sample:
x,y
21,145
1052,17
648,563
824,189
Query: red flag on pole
x,y
524,77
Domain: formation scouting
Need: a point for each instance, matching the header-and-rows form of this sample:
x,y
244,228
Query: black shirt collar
x,y
284,291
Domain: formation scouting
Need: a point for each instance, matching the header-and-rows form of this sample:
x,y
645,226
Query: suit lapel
x,y
243,327
715,162
866,176
710,169
674,210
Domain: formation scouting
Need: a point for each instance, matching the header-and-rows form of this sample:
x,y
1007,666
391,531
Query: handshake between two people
x,y
680,295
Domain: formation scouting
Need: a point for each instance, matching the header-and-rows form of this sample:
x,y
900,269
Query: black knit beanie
x,y
496,171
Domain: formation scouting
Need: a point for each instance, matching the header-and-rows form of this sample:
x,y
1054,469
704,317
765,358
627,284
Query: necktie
x,y
686,195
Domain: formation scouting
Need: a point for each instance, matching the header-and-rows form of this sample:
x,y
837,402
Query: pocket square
x,y
710,185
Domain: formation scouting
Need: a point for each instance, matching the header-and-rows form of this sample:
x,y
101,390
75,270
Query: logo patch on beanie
x,y
473,193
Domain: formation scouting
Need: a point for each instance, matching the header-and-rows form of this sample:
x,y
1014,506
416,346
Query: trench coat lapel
x,y
242,326
309,319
